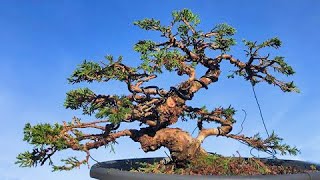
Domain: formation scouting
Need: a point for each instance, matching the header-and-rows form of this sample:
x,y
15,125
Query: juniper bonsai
x,y
183,50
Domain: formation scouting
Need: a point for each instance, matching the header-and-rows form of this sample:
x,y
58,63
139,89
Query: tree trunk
x,y
182,146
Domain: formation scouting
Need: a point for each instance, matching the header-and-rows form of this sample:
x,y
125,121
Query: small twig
x,y
189,26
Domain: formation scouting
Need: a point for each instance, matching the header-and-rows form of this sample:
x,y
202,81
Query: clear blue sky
x,y
43,41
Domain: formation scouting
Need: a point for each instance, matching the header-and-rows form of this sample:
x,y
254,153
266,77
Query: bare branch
x,y
189,26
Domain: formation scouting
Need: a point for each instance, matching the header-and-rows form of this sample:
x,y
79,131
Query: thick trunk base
x,y
182,146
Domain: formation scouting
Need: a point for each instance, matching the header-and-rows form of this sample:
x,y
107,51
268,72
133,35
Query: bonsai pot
x,y
120,169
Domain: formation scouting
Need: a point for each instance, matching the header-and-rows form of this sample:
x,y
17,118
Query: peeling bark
x,y
182,146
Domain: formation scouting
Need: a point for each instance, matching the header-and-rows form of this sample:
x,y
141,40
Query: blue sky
x,y
43,41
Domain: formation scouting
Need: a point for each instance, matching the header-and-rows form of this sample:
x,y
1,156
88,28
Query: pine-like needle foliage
x,y
154,108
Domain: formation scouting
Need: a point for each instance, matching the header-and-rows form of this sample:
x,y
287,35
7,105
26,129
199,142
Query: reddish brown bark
x,y
182,146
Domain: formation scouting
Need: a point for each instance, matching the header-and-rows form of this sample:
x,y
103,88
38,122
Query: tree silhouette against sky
x,y
183,50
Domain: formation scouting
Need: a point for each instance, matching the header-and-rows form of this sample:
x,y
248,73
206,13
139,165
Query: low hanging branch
x,y
156,108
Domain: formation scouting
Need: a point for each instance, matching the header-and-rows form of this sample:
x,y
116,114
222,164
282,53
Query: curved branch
x,y
216,115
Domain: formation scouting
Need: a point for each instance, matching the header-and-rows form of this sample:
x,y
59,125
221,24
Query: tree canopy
x,y
184,49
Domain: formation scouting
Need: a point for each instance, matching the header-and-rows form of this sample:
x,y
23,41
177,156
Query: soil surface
x,y
214,164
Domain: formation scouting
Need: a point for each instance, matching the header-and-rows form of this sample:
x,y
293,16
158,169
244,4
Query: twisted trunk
x,y
182,146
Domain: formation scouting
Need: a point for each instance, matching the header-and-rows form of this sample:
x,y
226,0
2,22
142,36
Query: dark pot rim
x,y
119,169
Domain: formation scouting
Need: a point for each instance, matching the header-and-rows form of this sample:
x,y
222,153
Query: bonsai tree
x,y
184,49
